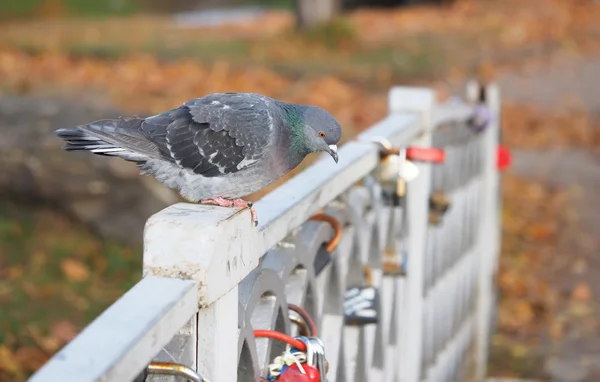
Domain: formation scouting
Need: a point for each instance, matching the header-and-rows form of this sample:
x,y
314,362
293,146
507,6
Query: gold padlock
x,y
388,169
438,206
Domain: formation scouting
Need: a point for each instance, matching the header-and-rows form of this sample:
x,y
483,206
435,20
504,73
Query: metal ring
x,y
178,370
337,227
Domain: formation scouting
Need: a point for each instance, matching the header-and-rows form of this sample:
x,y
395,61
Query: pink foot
x,y
222,202
218,201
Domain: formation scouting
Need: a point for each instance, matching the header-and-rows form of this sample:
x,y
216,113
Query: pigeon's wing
x,y
214,135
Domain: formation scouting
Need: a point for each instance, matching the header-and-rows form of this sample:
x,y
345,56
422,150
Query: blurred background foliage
x,y
71,225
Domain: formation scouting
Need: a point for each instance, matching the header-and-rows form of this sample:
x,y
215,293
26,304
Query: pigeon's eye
x,y
321,134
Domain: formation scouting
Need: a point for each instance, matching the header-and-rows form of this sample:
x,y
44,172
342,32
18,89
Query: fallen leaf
x,y
557,329
540,231
31,358
519,351
10,363
581,310
75,270
47,344
63,330
582,293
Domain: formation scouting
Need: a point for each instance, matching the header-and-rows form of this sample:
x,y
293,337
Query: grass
x,y
95,8
18,8
90,8
52,269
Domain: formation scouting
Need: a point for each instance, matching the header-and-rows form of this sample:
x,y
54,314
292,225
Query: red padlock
x,y
504,158
425,154
293,374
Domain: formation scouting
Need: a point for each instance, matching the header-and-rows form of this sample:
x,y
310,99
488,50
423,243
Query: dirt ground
x,y
570,349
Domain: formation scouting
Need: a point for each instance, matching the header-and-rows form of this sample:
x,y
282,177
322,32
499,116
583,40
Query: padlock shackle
x,y
281,337
175,369
426,154
417,154
310,323
337,228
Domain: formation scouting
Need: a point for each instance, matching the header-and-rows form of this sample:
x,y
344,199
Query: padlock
x,y
394,263
293,363
397,169
504,158
281,364
315,366
315,355
361,303
323,256
174,369
394,173
438,206
387,172
426,154
293,374
409,170
480,118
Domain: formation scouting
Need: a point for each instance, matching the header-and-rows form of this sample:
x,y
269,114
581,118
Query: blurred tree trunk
x,y
311,12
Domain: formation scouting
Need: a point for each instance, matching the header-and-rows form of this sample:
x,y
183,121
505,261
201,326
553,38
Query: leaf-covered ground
x,y
55,277
548,273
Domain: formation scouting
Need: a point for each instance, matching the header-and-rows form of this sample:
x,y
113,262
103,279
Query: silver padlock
x,y
315,355
395,170
387,171
407,171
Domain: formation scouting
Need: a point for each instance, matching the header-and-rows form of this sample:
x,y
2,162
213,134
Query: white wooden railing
x,y
211,278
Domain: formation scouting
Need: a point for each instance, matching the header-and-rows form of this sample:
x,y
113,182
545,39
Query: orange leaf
x,y
75,270
31,357
9,362
581,292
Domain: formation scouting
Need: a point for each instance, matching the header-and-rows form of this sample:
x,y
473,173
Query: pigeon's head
x,y
322,131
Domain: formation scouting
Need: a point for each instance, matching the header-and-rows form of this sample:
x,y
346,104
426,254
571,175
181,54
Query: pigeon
x,y
215,149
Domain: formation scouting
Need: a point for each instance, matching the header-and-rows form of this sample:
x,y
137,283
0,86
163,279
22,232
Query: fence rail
x,y
211,278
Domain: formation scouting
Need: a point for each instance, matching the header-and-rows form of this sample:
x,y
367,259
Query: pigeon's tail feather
x,y
93,138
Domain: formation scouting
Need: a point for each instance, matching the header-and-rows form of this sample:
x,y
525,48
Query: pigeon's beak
x,y
333,152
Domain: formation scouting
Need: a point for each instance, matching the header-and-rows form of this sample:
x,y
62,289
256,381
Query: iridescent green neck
x,y
293,117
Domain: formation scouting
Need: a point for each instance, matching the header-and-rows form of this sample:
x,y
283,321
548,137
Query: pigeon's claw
x,y
245,204
222,202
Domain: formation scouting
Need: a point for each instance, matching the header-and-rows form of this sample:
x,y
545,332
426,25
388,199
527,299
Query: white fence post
x,y
488,242
421,101
190,241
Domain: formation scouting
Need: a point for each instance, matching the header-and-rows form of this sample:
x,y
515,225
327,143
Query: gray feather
x,y
223,144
